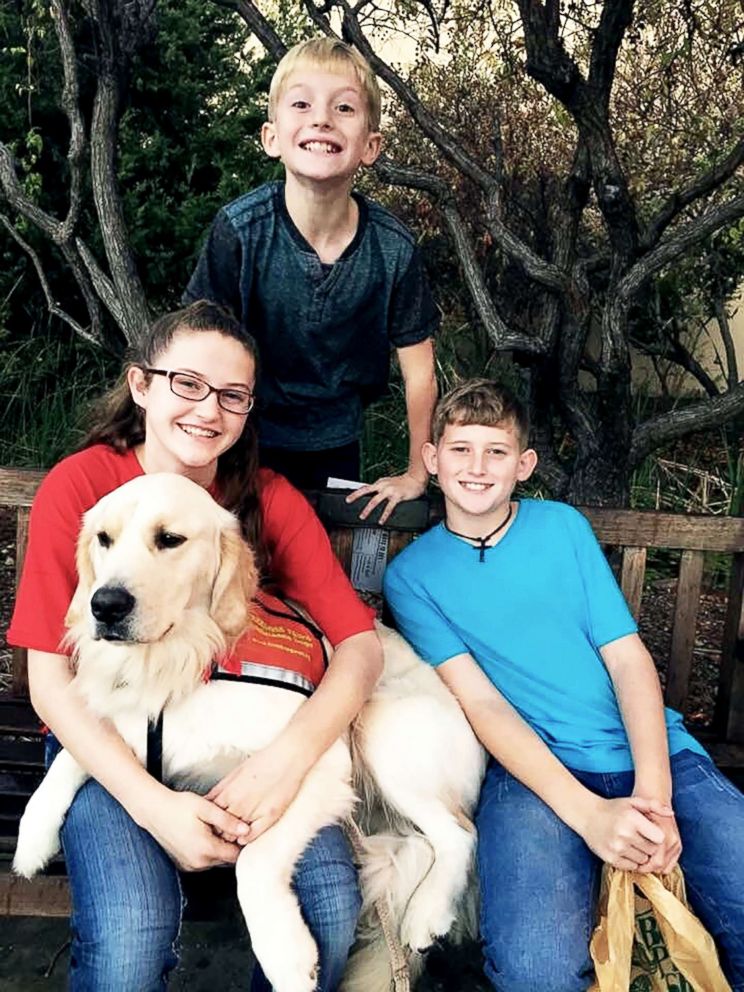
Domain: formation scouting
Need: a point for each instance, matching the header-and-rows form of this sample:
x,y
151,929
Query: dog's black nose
x,y
109,604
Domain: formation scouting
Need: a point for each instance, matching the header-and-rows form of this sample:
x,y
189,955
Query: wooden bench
x,y
629,533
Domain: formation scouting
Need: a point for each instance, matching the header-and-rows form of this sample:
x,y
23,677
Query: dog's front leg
x,y
38,833
281,941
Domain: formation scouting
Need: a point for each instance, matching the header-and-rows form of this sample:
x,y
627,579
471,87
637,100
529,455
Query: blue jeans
x,y
540,882
127,903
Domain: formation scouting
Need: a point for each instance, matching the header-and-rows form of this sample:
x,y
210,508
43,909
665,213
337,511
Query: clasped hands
x,y
634,834
199,832
259,790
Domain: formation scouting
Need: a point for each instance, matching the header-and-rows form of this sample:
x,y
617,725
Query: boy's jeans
x,y
127,902
540,882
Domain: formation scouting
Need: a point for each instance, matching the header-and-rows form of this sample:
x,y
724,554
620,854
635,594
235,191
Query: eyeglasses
x,y
188,387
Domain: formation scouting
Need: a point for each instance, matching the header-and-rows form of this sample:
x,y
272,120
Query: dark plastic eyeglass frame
x,y
170,374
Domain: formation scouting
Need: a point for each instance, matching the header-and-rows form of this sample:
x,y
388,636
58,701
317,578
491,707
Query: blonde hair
x,y
331,55
482,402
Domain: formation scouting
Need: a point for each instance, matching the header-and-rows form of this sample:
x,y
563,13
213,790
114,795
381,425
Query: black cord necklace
x,y
482,541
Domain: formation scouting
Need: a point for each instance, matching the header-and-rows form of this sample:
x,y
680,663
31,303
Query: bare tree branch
x,y
701,186
126,301
52,304
683,357
537,268
21,202
59,234
106,112
696,417
70,101
404,175
614,21
681,240
104,287
724,329
550,64
545,273
668,345
98,326
549,468
501,336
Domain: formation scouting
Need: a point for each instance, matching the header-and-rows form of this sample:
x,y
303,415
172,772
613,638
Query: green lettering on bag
x,y
648,929
678,983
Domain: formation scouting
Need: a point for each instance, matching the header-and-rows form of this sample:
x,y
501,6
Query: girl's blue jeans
x,y
540,882
127,904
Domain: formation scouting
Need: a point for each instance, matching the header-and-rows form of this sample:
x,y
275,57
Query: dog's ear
x,y
235,584
79,605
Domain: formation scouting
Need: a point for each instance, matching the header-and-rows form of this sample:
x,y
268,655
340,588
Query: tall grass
x,y
46,386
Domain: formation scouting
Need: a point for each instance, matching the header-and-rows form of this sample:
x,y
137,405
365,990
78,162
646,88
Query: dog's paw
x,y
37,845
425,920
281,941
293,965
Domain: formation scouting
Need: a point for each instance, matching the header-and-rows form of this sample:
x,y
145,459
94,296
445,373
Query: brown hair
x,y
482,402
335,56
116,419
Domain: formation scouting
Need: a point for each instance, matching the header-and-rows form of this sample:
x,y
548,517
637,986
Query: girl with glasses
x,y
183,406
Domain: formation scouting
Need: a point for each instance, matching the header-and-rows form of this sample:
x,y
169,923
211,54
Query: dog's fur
x,y
418,765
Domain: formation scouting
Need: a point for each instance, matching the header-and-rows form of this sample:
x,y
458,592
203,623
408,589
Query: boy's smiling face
x,y
320,129
477,468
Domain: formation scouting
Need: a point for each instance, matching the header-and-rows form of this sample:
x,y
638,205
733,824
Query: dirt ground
x,y
215,957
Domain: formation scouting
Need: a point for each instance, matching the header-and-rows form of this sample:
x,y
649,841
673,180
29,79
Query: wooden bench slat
x,y
632,576
729,715
18,485
20,671
683,631
650,529
12,806
22,754
9,821
341,542
18,717
334,511
42,896
18,782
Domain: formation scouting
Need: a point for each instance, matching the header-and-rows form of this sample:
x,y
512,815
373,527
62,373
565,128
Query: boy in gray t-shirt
x,y
325,280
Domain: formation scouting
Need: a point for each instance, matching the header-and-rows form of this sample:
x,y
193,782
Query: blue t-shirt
x,y
324,332
533,614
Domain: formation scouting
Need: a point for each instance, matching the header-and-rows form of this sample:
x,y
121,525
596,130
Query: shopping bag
x,y
647,940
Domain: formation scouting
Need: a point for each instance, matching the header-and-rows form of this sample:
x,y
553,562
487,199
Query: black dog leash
x,y
155,747
154,761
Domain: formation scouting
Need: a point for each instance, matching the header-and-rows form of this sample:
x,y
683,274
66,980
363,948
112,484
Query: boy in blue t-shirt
x,y
515,605
325,280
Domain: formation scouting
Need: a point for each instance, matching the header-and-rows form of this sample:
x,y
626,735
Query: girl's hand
x,y
187,827
260,789
621,833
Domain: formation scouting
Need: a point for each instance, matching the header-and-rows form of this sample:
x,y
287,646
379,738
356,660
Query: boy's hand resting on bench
x,y
628,833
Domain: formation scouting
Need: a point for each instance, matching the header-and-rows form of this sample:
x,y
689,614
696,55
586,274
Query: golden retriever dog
x,y
165,580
